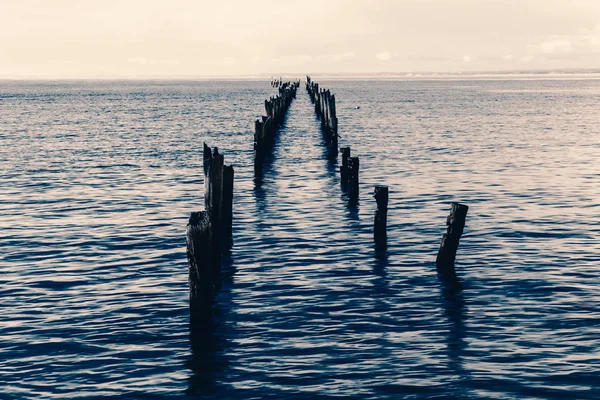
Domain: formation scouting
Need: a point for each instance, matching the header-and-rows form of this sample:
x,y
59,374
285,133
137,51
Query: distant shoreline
x,y
482,75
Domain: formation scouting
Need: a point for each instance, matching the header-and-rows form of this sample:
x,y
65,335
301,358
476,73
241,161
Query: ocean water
x,y
99,178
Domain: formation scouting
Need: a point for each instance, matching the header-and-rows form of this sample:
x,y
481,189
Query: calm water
x,y
99,178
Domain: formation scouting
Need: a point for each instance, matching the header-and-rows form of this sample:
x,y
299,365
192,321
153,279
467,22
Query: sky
x,y
172,38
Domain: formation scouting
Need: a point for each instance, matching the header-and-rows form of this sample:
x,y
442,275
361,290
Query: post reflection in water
x,y
380,265
455,311
352,208
208,342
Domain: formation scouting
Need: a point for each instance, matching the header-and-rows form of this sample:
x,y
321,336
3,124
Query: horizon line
x,y
364,75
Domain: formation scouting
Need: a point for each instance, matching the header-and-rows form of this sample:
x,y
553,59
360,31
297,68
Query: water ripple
x,y
100,177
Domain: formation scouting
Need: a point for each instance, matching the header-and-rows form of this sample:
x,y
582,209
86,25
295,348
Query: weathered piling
x,y
449,245
213,183
325,109
203,262
344,170
353,184
209,232
266,127
227,208
381,195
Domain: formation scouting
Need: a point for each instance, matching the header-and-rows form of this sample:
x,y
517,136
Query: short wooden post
x,y
381,195
353,184
227,211
449,245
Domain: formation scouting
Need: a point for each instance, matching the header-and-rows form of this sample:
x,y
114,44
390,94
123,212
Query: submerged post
x,y
381,195
449,245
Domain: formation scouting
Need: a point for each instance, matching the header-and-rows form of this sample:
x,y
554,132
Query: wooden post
x,y
449,245
203,260
227,211
344,171
258,145
275,110
380,226
209,233
354,166
213,187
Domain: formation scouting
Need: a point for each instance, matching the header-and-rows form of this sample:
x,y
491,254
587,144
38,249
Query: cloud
x,y
556,46
293,60
384,56
527,58
229,61
338,57
137,60
467,59
508,57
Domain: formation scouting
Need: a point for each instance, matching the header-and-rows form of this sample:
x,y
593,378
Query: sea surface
x,y
98,179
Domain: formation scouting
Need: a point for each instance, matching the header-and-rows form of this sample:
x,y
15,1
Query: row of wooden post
x,y
266,127
325,109
276,82
209,232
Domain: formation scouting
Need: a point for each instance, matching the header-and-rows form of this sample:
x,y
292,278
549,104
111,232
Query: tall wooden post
x,y
209,233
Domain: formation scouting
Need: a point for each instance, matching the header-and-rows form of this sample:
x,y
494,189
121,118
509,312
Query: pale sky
x,y
124,38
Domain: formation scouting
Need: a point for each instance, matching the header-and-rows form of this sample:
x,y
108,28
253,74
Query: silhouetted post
x,y
456,225
333,124
258,144
227,211
203,260
213,186
333,114
353,166
209,232
380,226
344,170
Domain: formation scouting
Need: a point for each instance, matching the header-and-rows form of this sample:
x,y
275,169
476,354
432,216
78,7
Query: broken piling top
x,y
450,240
213,182
381,195
456,219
